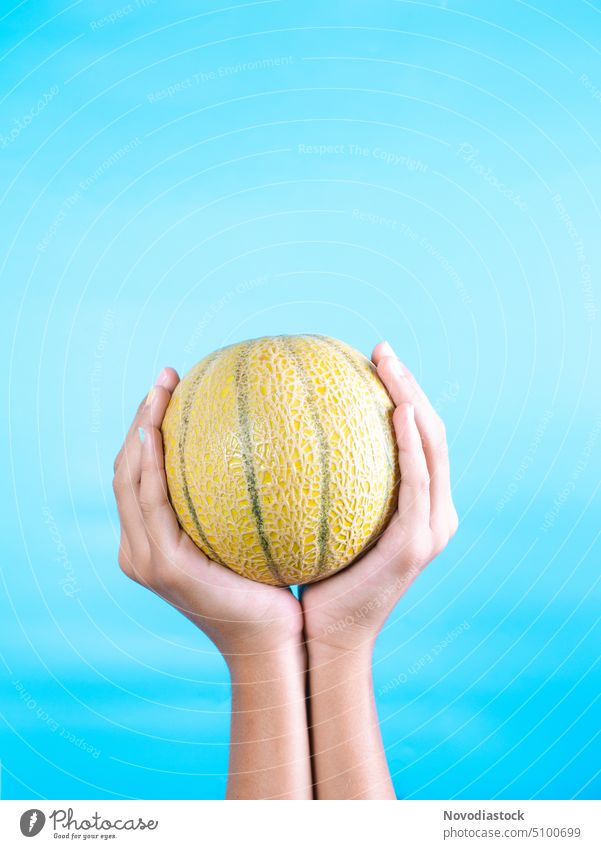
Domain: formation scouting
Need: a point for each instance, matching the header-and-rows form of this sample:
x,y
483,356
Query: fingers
x,y
385,349
126,484
382,349
403,389
414,492
134,549
128,458
158,515
168,378
125,559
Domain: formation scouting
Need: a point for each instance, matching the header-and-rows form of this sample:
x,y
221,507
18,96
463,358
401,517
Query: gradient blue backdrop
x,y
178,176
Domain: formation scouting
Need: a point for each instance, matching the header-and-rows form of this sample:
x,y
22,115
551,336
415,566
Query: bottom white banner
x,y
427,824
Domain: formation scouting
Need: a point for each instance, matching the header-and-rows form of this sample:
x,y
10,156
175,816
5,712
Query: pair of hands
x,y
339,615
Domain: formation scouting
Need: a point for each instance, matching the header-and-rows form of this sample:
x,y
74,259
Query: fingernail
x,y
162,378
141,434
387,349
150,396
411,412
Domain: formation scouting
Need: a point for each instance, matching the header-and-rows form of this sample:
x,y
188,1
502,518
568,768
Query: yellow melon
x,y
281,458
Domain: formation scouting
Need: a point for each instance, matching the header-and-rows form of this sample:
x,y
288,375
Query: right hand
x,y
346,612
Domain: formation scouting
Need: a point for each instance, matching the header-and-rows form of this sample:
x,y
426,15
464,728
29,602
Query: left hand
x,y
242,617
346,612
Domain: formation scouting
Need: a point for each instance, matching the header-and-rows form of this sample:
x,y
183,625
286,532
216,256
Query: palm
x,y
220,594
238,614
350,598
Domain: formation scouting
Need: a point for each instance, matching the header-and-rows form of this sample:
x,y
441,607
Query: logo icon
x,y
32,822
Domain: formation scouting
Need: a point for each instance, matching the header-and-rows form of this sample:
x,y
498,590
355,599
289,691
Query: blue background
x,y
427,173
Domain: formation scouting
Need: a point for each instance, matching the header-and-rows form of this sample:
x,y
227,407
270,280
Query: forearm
x,y
269,741
346,746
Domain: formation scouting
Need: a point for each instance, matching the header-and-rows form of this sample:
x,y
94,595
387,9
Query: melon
x,y
280,457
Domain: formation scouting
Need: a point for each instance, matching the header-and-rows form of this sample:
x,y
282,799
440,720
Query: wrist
x,y
258,664
351,632
349,653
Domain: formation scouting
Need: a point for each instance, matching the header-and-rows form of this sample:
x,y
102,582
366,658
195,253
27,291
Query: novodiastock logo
x,y
32,822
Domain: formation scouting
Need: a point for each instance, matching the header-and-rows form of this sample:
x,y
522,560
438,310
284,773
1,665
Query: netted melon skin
x,y
280,457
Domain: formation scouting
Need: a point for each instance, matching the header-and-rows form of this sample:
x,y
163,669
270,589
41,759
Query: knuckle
x,y
439,542
422,484
418,550
146,506
122,484
454,523
417,487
